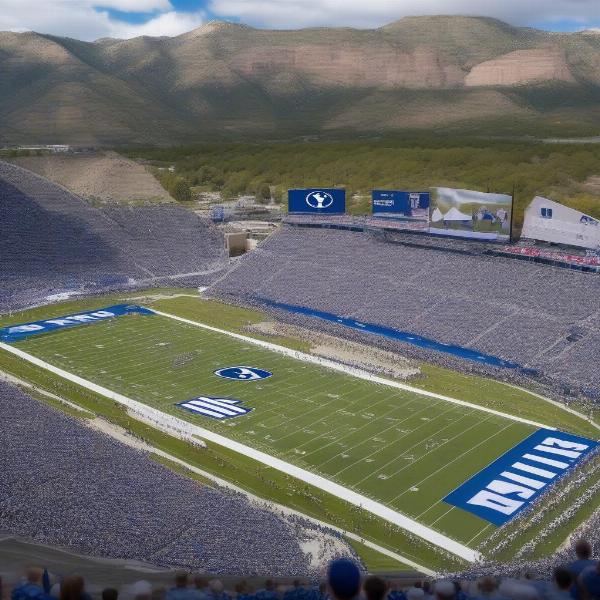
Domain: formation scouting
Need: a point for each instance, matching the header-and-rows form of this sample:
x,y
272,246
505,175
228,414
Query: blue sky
x,y
93,19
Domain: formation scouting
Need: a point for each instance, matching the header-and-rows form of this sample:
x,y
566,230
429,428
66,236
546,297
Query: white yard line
x,y
355,372
180,427
268,504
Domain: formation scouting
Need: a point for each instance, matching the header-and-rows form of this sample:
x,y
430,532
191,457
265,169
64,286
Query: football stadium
x,y
421,404
301,303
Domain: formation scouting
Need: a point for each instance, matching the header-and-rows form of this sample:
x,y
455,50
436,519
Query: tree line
x,y
267,170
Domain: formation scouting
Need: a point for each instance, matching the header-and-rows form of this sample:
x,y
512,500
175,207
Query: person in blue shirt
x,y
31,588
268,593
181,591
583,551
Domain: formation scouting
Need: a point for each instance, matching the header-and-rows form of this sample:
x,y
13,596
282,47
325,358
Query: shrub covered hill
x,y
230,79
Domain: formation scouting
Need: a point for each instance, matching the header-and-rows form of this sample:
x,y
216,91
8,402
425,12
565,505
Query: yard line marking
x,y
480,533
449,463
191,430
354,371
420,442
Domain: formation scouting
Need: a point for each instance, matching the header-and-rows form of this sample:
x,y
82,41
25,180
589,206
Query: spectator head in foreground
x,y
181,579
200,582
141,590
31,589
445,590
589,582
562,578
487,585
415,593
110,594
343,577
374,588
583,550
73,588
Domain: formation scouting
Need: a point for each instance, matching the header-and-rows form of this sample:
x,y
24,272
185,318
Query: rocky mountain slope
x,y
229,79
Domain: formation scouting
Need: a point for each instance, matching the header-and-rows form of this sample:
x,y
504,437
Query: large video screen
x,y
471,214
398,202
325,201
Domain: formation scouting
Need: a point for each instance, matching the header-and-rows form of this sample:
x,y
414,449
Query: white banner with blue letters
x,y
16,333
503,489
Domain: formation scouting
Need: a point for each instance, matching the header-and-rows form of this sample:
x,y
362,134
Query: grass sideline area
x,y
252,476
390,445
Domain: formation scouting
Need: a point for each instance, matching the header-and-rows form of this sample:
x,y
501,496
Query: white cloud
x,y
373,13
82,19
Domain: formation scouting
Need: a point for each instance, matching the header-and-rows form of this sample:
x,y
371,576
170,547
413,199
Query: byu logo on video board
x,y
243,373
319,200
215,408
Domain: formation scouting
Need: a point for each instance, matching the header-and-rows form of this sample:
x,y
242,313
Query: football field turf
x,y
403,449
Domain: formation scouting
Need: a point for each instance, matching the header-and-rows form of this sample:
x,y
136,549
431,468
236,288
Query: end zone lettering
x,y
503,489
15,333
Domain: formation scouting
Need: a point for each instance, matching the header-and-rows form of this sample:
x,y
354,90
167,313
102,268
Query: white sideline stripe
x,y
560,405
355,372
426,533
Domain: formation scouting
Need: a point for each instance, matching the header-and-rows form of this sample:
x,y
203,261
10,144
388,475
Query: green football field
x,y
403,449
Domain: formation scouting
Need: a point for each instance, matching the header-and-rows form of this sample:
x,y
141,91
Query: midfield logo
x,y
215,408
243,373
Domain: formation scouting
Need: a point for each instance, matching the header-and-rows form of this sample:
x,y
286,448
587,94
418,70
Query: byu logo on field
x,y
243,373
215,408
319,200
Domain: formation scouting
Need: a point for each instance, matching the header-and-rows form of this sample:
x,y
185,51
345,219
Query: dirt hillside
x,y
99,178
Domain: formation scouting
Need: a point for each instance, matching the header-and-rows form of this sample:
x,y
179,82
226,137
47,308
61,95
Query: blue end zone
x,y
502,490
401,336
16,333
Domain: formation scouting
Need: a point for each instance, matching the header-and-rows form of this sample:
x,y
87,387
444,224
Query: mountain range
x,y
230,80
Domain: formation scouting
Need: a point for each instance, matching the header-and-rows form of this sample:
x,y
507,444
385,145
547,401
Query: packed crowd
x,y
545,319
52,242
65,484
576,580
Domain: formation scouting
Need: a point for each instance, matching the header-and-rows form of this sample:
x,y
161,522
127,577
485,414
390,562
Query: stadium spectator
x,y
374,588
560,589
181,590
583,551
217,590
589,582
428,590
445,590
110,594
296,592
31,588
415,593
141,590
268,592
343,578
73,588
241,591
159,592
396,593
